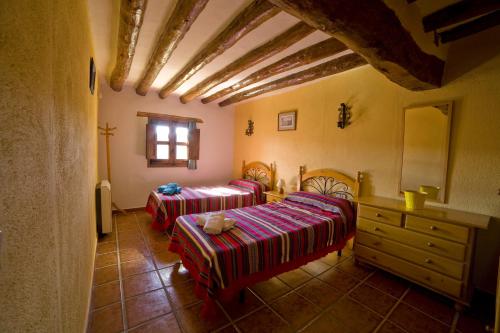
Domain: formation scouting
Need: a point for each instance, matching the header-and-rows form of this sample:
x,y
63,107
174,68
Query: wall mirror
x,y
426,140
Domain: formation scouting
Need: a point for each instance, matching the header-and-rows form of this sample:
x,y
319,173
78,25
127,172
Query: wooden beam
x,y
167,117
328,68
261,53
482,23
303,57
247,20
178,24
458,12
131,17
373,30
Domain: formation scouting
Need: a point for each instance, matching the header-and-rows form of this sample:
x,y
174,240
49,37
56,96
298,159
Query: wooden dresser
x,y
433,247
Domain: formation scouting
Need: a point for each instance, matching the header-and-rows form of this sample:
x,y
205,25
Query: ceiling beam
x,y
131,17
252,58
373,30
247,20
328,68
178,24
458,12
303,57
482,23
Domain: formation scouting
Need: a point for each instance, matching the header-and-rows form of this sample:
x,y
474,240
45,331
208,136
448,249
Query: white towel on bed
x,y
201,219
214,224
228,224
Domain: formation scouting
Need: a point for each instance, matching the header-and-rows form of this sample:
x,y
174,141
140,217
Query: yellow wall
x,y
373,142
48,168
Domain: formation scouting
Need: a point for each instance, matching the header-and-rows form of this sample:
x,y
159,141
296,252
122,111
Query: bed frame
x,y
329,182
260,172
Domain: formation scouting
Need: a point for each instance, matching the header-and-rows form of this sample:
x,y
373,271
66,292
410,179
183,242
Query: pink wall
x,y
132,180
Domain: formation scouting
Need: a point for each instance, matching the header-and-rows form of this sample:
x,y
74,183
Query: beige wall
x,y
373,142
132,180
48,166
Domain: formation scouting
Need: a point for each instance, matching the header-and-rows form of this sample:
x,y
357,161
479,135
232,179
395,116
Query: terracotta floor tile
x,y
128,235
165,258
415,321
388,283
191,321
105,247
146,306
167,324
128,227
158,245
270,289
338,279
346,309
319,292
174,274
105,274
235,309
227,329
106,294
360,271
295,309
122,218
132,243
469,324
389,327
315,267
263,320
182,294
134,253
374,299
107,320
139,266
106,259
295,278
333,259
431,303
327,324
104,238
141,283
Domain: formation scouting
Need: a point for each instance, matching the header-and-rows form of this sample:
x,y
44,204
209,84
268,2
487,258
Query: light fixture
x,y
249,130
344,115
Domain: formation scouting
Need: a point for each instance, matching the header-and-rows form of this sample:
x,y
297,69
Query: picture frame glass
x,y
287,121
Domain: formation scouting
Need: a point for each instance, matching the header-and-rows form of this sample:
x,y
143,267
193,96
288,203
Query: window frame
x,y
172,144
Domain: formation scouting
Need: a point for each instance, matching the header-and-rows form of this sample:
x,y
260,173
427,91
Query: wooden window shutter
x,y
194,144
150,141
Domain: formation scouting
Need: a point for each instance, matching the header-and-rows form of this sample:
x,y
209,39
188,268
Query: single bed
x,y
256,178
269,239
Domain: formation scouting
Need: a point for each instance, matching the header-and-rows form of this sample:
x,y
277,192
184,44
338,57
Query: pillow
x,y
324,202
254,186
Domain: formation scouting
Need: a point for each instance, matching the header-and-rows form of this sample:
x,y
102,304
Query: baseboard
x,y
89,300
131,210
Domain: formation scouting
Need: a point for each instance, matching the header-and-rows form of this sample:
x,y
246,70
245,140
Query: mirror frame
x,y
442,197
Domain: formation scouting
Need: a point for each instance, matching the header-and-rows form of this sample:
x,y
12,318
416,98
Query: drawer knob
x,y
376,229
376,243
429,244
428,278
378,215
433,227
428,261
374,257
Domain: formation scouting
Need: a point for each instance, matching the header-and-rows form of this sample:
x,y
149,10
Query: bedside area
x,y
274,196
433,247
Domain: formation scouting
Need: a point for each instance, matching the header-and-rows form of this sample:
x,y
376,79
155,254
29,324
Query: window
x,y
170,143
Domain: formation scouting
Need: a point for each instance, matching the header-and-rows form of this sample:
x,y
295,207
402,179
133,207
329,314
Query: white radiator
x,y
103,204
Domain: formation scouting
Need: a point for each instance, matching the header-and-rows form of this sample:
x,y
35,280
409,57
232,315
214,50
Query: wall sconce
x,y
344,115
249,130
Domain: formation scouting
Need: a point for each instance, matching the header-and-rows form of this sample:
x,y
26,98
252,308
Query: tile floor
x,y
139,286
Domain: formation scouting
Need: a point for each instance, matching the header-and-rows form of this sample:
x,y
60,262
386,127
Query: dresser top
x,y
437,213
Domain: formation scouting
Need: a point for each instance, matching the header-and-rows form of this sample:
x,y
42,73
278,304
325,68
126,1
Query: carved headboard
x,y
260,172
329,182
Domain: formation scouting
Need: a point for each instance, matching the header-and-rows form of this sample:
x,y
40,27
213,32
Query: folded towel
x,y
228,224
214,224
169,189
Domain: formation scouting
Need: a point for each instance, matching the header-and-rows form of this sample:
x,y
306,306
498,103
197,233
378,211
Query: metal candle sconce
x,y
344,115
249,130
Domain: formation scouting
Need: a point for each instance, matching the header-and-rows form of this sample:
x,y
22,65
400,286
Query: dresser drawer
x,y
380,215
421,241
422,258
414,272
438,229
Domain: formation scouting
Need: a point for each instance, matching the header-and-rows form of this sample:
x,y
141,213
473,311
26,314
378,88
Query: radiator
x,y
103,207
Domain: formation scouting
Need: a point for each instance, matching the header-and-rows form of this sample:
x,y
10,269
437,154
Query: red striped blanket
x,y
268,239
165,209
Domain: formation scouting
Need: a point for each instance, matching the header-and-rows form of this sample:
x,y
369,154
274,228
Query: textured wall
x,y
48,166
373,142
132,180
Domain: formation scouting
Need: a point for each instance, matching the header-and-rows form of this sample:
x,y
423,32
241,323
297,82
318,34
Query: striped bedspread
x,y
265,237
166,208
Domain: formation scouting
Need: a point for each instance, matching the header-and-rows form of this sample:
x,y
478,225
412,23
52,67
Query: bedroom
x,y
53,154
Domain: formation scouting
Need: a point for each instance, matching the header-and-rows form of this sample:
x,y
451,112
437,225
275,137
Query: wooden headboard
x,y
260,172
329,182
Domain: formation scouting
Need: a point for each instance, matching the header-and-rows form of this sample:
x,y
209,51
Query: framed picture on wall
x,y
287,121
